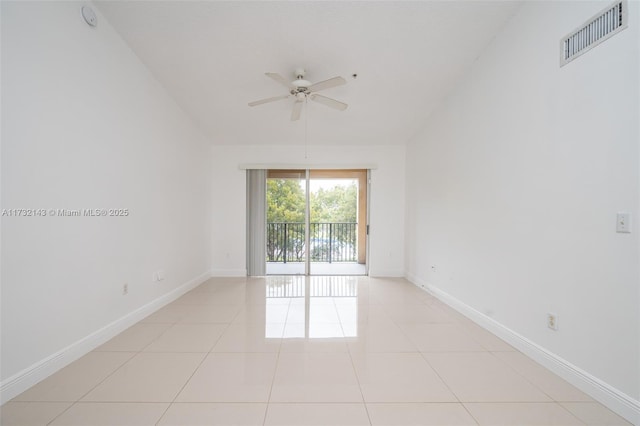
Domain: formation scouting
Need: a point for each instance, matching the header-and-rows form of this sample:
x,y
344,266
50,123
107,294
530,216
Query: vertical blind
x,y
256,222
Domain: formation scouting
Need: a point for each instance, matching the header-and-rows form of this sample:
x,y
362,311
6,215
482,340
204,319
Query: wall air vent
x,y
602,26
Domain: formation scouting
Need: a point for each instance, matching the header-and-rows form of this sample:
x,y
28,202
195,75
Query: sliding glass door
x,y
337,202
286,222
316,222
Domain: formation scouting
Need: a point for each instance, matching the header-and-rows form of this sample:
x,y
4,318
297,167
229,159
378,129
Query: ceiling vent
x,y
602,26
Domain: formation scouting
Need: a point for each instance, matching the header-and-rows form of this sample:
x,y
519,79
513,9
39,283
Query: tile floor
x,y
295,351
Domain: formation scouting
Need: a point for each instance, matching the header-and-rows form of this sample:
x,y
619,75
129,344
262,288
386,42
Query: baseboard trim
x,y
42,369
228,272
616,400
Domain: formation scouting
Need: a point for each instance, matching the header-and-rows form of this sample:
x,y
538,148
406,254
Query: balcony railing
x,y
329,242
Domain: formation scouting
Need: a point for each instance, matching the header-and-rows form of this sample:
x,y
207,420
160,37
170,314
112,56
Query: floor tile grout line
x,y
181,389
110,374
562,404
273,379
355,373
63,411
158,337
468,332
275,368
195,370
440,377
404,333
134,352
469,412
552,399
98,384
526,379
531,382
447,385
523,402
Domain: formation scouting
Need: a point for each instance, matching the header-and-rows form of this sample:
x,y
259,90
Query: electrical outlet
x,y
125,289
552,321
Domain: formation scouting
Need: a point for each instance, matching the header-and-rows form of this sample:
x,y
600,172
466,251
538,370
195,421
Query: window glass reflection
x,y
311,307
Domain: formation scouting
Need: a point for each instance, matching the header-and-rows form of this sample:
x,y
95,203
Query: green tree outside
x,y
285,201
338,204
286,204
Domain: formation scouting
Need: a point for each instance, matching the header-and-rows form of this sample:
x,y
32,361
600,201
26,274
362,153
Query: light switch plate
x,y
623,222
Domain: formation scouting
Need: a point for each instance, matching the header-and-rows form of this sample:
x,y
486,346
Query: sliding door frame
x,y
364,191
307,223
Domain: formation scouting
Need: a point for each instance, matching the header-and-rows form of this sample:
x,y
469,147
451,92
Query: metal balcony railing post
x,y
330,240
342,234
285,243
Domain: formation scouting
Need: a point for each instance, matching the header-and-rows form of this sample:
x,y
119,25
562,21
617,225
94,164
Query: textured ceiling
x,y
212,56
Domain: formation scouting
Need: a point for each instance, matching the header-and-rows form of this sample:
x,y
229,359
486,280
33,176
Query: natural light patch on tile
x,y
285,286
325,331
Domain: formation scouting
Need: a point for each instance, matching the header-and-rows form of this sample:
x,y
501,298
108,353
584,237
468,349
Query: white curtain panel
x,y
256,222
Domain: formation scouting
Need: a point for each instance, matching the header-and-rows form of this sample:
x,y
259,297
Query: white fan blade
x,y
332,103
297,108
327,84
280,79
264,101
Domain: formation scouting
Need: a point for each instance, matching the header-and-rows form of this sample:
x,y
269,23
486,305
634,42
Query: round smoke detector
x,y
89,16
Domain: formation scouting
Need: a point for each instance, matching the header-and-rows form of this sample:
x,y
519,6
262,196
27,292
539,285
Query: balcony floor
x,y
317,268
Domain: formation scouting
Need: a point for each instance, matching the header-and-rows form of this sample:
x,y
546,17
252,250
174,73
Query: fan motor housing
x,y
301,85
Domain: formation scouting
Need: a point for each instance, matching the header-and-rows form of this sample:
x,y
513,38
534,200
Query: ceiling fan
x,y
302,90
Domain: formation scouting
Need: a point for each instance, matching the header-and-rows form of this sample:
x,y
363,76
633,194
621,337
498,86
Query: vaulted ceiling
x,y
211,56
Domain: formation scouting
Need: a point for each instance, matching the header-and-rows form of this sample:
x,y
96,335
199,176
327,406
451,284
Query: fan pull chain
x,y
306,120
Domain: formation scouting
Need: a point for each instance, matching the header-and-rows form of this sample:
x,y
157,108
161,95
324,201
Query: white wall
x,y
85,125
387,199
514,185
